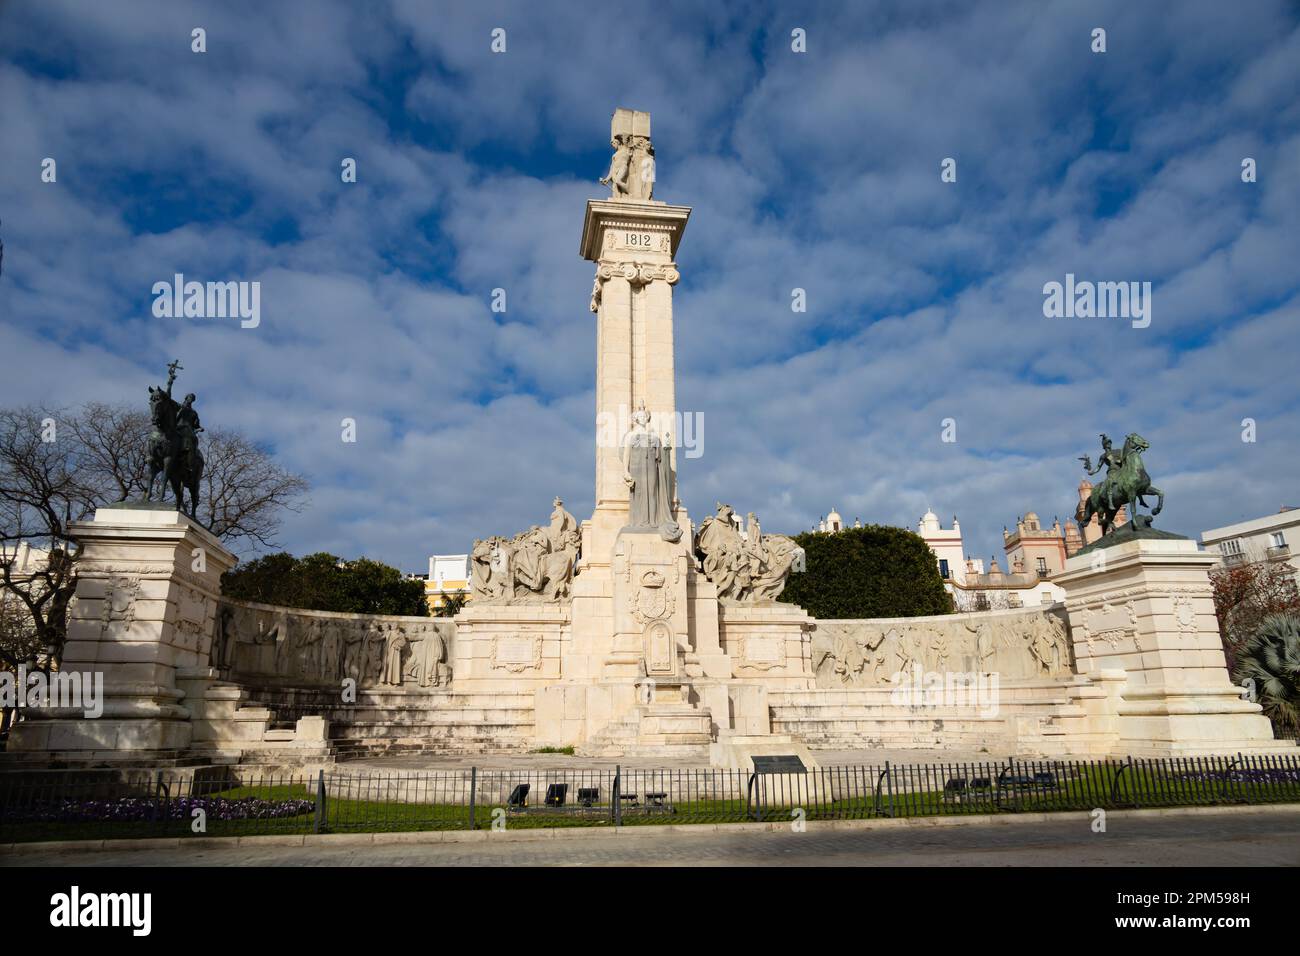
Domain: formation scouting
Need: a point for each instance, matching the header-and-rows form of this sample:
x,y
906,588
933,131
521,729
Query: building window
x,y
1279,540
943,568
1042,567
981,601
1232,546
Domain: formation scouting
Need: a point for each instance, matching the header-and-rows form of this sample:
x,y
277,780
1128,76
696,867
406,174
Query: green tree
x,y
325,582
873,571
1270,661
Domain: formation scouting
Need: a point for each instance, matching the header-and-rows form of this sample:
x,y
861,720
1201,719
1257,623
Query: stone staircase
x,y
299,725
619,738
230,727
443,722
869,718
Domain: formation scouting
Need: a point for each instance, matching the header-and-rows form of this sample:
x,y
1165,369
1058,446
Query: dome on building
x,y
929,522
833,521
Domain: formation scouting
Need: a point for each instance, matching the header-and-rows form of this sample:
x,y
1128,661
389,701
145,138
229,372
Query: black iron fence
x,y
242,801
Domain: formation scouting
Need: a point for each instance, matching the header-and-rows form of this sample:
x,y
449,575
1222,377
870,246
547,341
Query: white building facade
x,y
1272,538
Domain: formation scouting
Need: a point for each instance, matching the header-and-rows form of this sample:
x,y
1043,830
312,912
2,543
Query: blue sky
x,y
817,170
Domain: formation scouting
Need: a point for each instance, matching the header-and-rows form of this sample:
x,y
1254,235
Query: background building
x,y
1273,538
997,590
947,547
448,575
1034,549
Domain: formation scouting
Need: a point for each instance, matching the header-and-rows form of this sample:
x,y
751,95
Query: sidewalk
x,y
1247,836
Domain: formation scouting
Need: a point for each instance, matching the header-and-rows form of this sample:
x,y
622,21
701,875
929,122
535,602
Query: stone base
x,y
1145,608
1193,722
676,725
147,584
768,644
128,739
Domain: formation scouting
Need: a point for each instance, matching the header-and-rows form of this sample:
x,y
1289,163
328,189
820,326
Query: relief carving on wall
x,y
517,654
1109,622
318,648
652,601
117,611
878,654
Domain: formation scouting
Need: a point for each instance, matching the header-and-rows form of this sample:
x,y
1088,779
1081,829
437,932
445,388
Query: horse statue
x,y
173,445
1126,483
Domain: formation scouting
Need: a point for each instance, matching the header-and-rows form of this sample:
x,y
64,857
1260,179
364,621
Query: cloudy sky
x,y
817,170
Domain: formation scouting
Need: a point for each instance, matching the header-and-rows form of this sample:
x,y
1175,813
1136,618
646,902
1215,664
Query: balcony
x,y
1278,552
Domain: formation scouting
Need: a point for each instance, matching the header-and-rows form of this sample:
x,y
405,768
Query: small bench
x,y
959,788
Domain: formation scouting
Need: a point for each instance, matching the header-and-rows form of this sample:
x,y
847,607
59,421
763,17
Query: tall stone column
x,y
148,580
1145,609
633,245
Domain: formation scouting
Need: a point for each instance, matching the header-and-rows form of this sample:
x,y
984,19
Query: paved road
x,y
1234,838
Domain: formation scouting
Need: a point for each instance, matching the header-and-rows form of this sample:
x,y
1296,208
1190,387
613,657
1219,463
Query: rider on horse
x,y
1126,483
188,428
174,444
1113,462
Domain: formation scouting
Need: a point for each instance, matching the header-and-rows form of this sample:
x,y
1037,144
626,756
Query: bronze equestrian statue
x,y
174,445
1126,483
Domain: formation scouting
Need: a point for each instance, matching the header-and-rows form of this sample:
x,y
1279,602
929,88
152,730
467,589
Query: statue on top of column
x,y
632,168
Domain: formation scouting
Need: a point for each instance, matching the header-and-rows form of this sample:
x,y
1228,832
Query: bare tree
x,y
244,491
57,467
115,446
42,491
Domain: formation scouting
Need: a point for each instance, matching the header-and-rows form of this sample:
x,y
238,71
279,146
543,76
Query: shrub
x,y
873,571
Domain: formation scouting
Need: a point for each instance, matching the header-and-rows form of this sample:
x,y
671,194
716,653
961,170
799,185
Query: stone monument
x,y
1141,610
144,612
626,650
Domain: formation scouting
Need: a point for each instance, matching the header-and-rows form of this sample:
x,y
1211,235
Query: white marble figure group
x,y
535,566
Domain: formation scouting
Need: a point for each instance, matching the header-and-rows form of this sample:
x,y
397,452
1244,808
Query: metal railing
x,y
243,801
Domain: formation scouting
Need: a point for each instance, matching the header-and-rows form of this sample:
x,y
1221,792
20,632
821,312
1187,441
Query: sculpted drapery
x,y
648,473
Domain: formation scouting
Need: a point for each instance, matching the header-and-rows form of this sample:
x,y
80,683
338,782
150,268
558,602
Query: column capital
x,y
636,274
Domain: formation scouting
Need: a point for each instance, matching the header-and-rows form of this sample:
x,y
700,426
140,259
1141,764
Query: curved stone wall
x,y
1015,645
293,646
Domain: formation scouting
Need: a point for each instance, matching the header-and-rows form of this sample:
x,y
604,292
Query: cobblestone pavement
x,y
1231,838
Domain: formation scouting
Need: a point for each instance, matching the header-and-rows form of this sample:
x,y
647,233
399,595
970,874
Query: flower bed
x,y
135,809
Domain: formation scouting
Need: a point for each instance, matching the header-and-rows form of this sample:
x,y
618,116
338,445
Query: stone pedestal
x,y
651,630
509,648
1146,608
771,643
148,580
